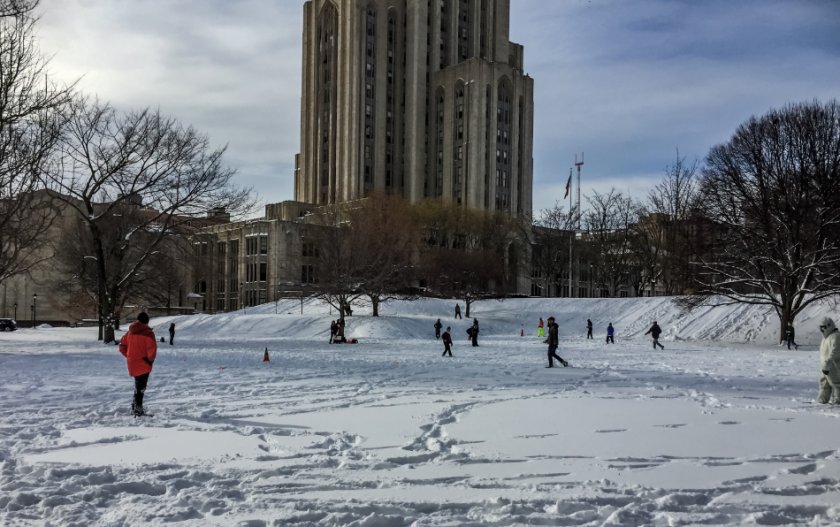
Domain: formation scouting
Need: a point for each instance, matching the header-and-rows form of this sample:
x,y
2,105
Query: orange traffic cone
x,y
265,356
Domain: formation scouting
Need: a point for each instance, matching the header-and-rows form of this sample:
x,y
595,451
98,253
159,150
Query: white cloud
x,y
625,82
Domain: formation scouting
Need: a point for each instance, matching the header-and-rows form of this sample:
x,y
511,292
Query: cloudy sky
x,y
627,82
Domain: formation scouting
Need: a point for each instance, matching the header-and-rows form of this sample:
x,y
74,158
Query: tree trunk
x,y
374,300
785,318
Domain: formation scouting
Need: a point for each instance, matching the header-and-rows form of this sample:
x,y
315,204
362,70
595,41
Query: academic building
x,y
415,98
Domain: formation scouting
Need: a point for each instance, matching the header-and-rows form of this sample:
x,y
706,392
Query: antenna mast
x,y
578,164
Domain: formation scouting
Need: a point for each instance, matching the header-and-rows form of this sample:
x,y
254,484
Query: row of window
x,y
256,245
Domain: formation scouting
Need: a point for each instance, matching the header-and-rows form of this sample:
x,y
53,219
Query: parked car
x,y
7,324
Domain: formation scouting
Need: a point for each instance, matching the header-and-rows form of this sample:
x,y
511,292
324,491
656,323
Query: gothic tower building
x,y
416,98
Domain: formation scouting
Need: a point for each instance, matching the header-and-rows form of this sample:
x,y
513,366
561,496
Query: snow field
x,y
720,428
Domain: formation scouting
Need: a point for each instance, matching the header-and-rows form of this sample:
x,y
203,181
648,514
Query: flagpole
x,y
571,230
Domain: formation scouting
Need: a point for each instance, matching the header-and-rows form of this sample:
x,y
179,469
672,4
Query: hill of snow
x,y
631,317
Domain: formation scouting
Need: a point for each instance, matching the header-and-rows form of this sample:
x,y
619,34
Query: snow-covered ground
x,y
720,428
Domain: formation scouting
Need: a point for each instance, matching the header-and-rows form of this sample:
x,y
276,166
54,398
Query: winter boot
x,y
825,391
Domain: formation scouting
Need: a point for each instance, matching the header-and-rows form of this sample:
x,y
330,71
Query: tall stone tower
x,y
416,98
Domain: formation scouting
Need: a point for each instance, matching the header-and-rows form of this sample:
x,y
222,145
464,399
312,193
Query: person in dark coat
x,y
457,311
655,331
553,341
447,342
790,333
172,334
333,331
339,333
474,333
610,334
588,328
438,325
139,347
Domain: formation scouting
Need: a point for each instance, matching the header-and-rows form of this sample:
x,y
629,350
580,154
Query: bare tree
x,y
31,119
774,189
470,254
338,269
383,232
554,232
143,164
672,205
17,8
609,221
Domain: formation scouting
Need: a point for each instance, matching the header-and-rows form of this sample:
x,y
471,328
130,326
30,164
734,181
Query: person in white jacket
x,y
829,363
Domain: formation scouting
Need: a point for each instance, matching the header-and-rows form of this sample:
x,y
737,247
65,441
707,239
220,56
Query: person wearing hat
x,y
553,341
139,348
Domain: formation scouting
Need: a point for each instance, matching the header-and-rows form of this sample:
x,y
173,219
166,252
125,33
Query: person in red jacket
x,y
139,347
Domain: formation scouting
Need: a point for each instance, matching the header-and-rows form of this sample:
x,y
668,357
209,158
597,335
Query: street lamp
x,y
242,292
653,287
34,307
15,310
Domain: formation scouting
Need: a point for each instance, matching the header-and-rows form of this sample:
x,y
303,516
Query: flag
x,y
568,185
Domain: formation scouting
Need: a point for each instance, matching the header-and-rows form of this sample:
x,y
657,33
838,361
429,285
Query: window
x,y
307,275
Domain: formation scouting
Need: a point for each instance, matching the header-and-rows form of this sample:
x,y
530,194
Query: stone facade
x,y
415,98
252,262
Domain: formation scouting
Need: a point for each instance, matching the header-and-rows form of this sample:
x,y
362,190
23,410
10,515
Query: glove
x,y
150,362
825,372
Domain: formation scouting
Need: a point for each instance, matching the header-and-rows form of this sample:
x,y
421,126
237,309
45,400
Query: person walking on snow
x,y
474,333
447,342
588,328
457,311
610,334
438,325
172,334
540,328
139,348
553,341
789,336
655,331
829,363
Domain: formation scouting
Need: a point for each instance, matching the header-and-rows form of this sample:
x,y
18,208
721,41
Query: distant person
x,y
339,332
655,331
457,311
553,341
139,347
333,330
589,328
447,342
438,325
610,334
474,333
540,328
829,363
790,333
172,334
